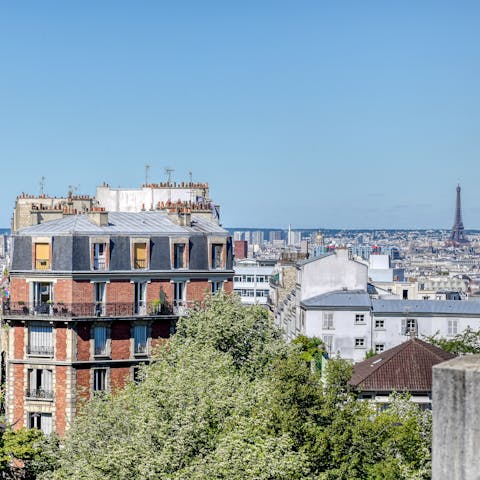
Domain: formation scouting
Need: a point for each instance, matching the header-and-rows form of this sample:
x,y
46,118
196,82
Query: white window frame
x,y
360,342
327,321
359,319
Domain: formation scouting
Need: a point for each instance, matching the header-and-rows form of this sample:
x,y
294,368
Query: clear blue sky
x,y
314,113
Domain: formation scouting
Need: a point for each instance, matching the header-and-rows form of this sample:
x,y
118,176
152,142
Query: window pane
x,y
140,338
100,340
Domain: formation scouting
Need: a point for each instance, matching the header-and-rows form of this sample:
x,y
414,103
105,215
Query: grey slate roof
x,y
438,307
359,298
140,223
339,299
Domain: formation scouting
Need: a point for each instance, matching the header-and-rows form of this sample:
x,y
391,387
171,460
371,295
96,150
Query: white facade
x,y
331,302
252,282
148,197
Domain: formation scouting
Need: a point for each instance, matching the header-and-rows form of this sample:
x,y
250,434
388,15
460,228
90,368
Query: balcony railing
x,y
99,263
140,263
39,394
140,349
41,350
42,264
94,309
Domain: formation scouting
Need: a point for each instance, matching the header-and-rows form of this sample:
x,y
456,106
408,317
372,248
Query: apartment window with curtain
x,y
179,255
100,297
139,255
40,340
452,327
140,339
42,256
100,340
328,320
40,384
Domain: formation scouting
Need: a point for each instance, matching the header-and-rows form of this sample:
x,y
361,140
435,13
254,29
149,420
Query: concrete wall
x,y
456,419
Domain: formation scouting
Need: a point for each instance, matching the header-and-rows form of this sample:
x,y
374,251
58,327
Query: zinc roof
x,y
123,223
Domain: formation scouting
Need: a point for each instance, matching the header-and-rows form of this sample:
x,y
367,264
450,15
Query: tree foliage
x,y
468,341
227,398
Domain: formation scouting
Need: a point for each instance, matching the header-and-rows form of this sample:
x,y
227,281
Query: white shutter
x,y
46,423
32,379
404,327
47,380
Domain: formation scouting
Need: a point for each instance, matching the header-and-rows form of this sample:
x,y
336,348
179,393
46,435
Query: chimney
x,y
98,216
182,217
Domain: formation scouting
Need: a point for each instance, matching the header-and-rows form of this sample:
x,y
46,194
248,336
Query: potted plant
x,y
156,306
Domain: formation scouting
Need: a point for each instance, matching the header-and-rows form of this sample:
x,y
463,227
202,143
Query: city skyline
x,y
342,116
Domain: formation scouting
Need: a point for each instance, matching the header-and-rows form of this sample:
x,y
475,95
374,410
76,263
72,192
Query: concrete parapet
x,y
456,419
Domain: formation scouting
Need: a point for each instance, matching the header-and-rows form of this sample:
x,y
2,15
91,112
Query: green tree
x,y
227,398
467,341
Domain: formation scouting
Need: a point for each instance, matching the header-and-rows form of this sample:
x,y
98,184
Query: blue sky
x,y
319,114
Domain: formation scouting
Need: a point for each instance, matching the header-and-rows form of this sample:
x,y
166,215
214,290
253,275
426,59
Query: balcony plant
x,y
156,306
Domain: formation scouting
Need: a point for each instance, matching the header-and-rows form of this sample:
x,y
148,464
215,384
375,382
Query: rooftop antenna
x,y
147,174
42,185
168,173
190,176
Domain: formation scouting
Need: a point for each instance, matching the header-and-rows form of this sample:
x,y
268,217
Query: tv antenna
x,y
168,173
147,173
42,185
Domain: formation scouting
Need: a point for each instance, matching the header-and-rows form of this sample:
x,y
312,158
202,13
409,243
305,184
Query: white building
x,y
252,282
331,301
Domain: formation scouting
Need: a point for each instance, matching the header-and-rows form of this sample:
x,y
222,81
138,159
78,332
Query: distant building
x,y
457,236
240,249
252,281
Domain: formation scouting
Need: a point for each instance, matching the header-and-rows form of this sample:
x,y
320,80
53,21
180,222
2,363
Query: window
x,y
379,323
40,384
42,256
99,258
139,255
100,340
452,327
100,294
405,294
249,278
359,318
328,342
140,339
359,343
217,250
178,255
40,421
409,326
237,278
179,293
328,321
42,297
217,286
379,347
40,340
99,379
260,279
140,298
136,374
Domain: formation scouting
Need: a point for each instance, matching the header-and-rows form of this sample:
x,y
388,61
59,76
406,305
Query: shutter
x,y
42,256
47,380
32,380
404,327
140,255
46,425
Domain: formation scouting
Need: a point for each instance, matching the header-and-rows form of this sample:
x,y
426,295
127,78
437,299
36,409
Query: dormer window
x,y
99,256
217,253
179,255
42,256
140,255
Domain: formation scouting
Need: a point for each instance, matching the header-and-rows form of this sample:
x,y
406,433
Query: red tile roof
x,y
404,368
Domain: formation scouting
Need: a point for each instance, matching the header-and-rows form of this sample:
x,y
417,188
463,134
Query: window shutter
x,y
32,380
47,380
404,327
46,425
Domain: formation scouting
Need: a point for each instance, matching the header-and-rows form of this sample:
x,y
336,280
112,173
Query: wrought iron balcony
x,y
43,310
39,394
41,350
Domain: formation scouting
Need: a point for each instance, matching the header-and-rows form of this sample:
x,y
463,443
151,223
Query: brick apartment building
x,y
92,294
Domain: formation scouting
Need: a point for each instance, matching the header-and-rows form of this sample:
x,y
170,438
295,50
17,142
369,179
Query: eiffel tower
x,y
457,236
